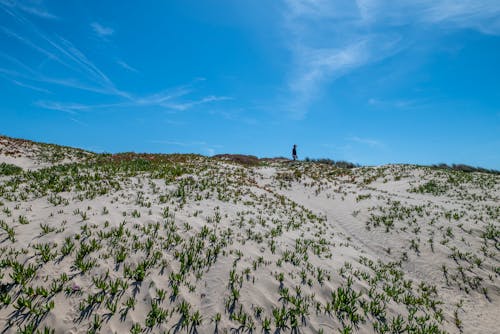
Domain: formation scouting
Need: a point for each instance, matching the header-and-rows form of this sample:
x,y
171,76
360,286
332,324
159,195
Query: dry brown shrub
x,y
247,160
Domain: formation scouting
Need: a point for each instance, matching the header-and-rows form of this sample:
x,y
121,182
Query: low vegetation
x,y
185,243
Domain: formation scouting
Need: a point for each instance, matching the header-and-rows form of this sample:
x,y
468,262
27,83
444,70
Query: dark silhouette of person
x,y
294,152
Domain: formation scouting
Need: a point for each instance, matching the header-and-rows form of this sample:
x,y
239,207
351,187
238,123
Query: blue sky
x,y
367,81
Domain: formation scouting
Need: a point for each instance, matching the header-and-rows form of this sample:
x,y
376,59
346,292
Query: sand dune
x,y
184,243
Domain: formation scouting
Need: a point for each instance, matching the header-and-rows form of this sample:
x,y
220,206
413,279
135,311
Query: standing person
x,y
294,152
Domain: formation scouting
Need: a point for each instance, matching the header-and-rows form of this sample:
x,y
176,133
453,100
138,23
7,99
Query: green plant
x,y
136,328
9,169
9,230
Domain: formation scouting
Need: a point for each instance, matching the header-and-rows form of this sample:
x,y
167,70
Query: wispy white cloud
x,y
188,105
32,45
325,45
479,15
40,12
35,9
75,108
77,121
37,77
101,30
127,66
315,67
240,115
83,74
35,88
63,52
164,97
78,58
16,77
331,38
166,101
69,108
397,103
366,141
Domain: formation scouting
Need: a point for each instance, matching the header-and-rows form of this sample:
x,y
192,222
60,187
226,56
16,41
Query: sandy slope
x,y
479,313
191,244
31,156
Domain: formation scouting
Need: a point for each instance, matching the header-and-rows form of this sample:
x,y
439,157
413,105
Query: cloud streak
x,y
478,15
127,66
398,104
101,30
168,101
75,108
191,104
38,89
83,74
62,52
331,38
366,141
32,10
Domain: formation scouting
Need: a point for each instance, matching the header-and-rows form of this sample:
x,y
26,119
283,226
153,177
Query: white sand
x,y
247,209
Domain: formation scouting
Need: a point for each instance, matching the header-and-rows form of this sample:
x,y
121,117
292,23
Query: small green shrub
x,y
8,169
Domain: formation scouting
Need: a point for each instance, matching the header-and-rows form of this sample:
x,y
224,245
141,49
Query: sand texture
x,y
139,243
